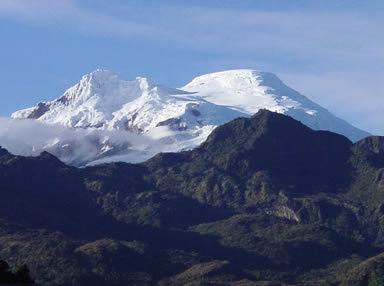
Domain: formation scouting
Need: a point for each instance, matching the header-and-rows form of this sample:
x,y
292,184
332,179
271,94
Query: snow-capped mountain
x,y
102,100
170,119
248,91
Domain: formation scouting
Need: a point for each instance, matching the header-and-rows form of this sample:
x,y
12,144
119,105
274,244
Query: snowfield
x,y
103,118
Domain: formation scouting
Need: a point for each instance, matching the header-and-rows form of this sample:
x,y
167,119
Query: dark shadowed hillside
x,y
264,201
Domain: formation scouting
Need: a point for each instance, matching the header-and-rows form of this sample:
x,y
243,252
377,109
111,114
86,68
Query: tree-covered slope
x,y
263,199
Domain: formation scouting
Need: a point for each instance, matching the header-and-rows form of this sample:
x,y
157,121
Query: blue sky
x,y
331,51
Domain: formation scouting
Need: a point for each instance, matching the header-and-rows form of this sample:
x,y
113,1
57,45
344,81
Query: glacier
x,y
131,121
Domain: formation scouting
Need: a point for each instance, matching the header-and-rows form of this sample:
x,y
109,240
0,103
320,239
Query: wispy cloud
x,y
76,146
207,27
68,14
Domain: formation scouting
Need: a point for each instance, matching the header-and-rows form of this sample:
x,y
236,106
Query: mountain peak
x,y
105,83
265,113
99,76
92,101
248,91
275,142
3,151
104,76
178,119
245,129
373,143
244,77
229,78
242,133
100,73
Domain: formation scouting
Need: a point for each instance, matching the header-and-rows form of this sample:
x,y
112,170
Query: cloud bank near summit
x,y
73,146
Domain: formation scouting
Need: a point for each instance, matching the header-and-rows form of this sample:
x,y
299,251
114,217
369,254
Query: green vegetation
x,y
264,201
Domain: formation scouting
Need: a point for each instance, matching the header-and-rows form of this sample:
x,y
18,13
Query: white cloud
x,y
75,146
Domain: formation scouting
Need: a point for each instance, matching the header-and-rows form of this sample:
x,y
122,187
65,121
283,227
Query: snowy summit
x,y
180,118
